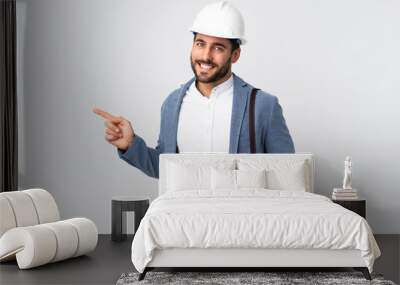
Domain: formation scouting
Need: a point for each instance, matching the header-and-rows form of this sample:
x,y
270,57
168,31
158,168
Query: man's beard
x,y
220,73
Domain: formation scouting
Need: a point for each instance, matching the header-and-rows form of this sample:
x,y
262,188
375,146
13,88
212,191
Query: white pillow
x,y
281,174
251,178
187,174
223,179
182,177
237,179
290,178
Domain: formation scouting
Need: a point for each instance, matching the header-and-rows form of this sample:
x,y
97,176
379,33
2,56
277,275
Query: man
x,y
210,112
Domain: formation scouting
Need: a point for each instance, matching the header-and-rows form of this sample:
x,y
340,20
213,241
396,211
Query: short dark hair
x,y
235,43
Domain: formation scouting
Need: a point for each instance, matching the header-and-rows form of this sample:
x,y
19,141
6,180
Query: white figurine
x,y
347,173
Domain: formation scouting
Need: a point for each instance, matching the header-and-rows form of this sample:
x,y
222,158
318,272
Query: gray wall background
x,y
334,65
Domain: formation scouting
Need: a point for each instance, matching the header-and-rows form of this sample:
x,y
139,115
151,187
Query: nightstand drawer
x,y
357,206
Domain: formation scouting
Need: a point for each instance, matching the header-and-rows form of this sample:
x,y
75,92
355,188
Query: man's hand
x,y
119,131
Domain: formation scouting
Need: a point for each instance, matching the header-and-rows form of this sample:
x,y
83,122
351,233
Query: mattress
x,y
250,219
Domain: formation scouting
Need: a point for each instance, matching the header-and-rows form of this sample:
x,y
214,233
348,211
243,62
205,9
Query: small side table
x,y
357,206
121,204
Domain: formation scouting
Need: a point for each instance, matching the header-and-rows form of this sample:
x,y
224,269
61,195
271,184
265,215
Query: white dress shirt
x,y
205,122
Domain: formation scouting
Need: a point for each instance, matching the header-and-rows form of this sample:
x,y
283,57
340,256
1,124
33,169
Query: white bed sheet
x,y
250,218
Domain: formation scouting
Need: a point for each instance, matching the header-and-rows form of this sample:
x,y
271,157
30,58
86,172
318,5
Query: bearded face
x,y
211,58
209,71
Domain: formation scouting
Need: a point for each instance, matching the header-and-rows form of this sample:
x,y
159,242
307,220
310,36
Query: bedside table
x,y
357,206
121,204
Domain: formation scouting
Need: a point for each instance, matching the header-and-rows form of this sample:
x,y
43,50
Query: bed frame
x,y
248,259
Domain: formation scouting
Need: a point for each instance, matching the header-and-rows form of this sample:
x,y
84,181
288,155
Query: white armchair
x,y
32,233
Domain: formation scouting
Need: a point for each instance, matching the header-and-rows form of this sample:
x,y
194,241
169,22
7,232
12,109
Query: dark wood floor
x,y
111,259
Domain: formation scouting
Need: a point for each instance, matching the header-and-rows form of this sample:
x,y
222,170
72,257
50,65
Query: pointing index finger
x,y
106,115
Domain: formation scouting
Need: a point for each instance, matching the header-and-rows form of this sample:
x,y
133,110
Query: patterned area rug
x,y
270,278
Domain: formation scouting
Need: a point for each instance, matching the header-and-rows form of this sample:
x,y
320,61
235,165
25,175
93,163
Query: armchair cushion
x,y
40,244
31,233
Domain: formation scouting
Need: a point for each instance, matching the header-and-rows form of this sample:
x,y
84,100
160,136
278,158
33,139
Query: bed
x,y
245,211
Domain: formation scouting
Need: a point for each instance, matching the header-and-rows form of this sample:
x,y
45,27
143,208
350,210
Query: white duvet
x,y
250,218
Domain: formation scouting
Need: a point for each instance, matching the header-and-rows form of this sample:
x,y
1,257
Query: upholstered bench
x,y
31,231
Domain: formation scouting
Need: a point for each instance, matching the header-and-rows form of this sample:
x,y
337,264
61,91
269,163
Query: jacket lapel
x,y
175,115
240,95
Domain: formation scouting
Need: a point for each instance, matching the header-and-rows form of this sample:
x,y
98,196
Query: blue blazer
x,y
271,132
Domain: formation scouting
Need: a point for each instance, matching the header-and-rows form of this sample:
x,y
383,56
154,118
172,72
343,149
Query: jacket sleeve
x,y
143,157
277,137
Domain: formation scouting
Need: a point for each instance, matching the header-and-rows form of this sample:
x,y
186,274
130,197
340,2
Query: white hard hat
x,y
221,20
